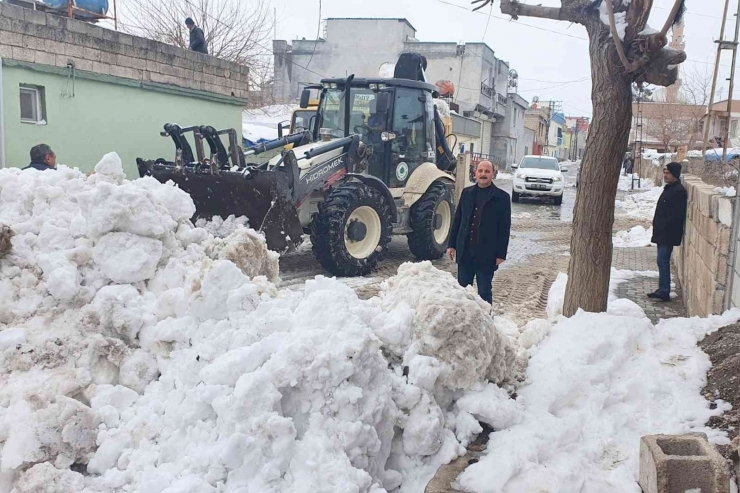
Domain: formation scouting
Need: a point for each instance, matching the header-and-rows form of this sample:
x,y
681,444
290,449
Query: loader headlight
x,y
386,136
327,85
382,86
333,85
373,87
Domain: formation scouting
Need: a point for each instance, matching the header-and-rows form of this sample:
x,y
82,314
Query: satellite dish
x,y
513,74
536,99
386,70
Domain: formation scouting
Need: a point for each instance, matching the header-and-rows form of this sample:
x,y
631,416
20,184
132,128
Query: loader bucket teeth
x,y
262,196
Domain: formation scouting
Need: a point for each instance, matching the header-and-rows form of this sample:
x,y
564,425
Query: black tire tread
x,y
327,229
421,240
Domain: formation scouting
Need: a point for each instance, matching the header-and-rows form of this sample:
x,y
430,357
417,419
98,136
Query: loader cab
x,y
395,117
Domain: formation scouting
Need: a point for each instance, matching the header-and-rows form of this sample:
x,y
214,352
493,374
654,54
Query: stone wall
x,y
702,261
36,37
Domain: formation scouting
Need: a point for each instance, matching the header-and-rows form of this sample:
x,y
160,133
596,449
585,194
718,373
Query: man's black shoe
x,y
660,295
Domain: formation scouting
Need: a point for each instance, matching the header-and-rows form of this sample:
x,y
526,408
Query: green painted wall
x,y
103,117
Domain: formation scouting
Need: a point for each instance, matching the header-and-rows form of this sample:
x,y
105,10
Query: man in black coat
x,y
42,158
479,237
668,224
197,38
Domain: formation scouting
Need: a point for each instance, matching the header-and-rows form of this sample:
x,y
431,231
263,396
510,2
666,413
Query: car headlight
x,y
521,176
558,178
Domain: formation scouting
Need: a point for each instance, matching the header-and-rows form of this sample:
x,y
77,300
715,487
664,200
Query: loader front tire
x,y
431,220
351,229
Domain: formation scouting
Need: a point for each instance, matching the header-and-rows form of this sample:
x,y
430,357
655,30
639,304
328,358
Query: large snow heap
x,y
139,352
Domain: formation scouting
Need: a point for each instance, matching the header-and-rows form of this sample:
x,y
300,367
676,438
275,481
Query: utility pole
x,y
732,82
720,47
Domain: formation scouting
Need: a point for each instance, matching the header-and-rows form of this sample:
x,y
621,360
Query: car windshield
x,y
539,163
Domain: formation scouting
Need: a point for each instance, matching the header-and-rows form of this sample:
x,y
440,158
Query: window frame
x,y
39,102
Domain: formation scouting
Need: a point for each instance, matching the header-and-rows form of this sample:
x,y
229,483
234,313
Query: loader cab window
x,y
302,120
332,111
410,123
366,119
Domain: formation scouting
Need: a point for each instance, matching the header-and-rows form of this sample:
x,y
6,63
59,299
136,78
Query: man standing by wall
x,y
197,38
42,158
479,238
668,224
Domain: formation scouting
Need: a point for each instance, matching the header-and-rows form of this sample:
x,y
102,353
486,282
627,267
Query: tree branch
x,y
629,67
662,70
514,8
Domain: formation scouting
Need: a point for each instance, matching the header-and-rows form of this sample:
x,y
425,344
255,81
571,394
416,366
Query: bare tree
x,y
695,90
235,30
619,57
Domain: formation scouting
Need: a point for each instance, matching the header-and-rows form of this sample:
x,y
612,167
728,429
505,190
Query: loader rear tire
x,y
351,229
431,220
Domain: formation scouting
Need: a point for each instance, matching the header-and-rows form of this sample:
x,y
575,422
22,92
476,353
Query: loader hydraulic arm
x,y
298,139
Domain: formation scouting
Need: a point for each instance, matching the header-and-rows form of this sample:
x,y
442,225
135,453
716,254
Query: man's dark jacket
x,y
198,40
494,230
670,215
39,166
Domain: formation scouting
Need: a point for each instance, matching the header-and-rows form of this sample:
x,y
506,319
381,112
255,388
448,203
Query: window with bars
x,y
33,104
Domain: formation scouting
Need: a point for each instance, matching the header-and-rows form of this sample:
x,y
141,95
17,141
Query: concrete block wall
x,y
702,261
36,37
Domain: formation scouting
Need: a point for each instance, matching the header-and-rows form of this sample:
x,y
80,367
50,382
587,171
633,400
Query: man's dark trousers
x,y
467,270
664,268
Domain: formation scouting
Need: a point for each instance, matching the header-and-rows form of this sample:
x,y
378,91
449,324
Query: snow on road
x,y
626,183
636,237
595,384
640,206
157,356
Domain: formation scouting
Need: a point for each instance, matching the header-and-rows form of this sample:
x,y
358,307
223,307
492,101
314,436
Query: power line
x,y
316,43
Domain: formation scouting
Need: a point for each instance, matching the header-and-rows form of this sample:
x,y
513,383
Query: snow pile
x,y
5,235
159,356
636,237
455,343
640,205
726,191
503,175
595,384
294,393
625,183
260,124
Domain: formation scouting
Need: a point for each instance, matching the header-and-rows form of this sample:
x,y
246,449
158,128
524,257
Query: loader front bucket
x,y
262,196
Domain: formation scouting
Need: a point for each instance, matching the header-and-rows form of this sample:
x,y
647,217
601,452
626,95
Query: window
x,y
412,144
32,104
733,129
539,163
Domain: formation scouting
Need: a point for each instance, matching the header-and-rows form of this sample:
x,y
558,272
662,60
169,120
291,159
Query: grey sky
x,y
551,57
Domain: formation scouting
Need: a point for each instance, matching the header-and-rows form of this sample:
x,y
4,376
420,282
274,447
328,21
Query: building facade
x,y
480,79
537,120
85,91
510,131
719,122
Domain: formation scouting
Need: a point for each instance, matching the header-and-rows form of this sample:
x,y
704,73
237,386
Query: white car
x,y
564,167
538,176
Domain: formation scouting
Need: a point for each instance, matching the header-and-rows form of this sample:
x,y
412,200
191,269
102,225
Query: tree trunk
x,y
593,219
